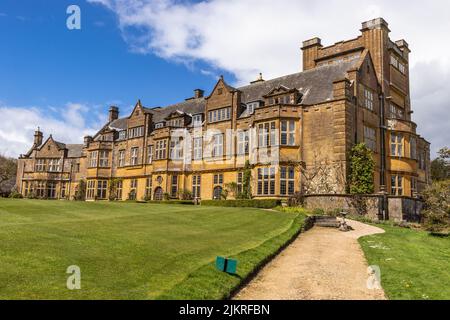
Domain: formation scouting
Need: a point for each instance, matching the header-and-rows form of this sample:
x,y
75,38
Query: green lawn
x,y
131,250
414,265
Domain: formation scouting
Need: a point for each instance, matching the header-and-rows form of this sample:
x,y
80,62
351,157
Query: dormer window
x,y
197,120
252,106
122,135
159,125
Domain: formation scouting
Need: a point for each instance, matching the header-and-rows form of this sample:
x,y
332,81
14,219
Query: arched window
x,y
158,194
217,194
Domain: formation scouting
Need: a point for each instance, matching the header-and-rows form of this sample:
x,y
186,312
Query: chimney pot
x,y
198,93
113,113
38,136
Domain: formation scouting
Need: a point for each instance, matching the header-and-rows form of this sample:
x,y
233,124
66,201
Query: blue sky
x,y
45,64
159,51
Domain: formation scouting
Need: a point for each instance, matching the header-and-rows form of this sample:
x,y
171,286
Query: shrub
x,y
362,168
185,202
437,207
318,212
293,210
297,199
15,195
80,192
166,196
185,195
265,204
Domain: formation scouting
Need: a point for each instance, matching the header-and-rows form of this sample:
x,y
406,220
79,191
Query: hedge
x,y
266,203
186,202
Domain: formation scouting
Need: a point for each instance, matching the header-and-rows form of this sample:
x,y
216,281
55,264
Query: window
x,y
63,189
413,148
198,142
197,120
422,156
394,61
239,180
51,190
122,135
121,158
242,143
370,138
266,134
102,186
159,125
134,156
368,99
176,149
176,122
149,154
54,165
90,189
40,165
217,150
174,186
287,178
136,132
161,147
119,189
93,159
252,106
219,114
396,144
148,188
217,193
266,181
413,186
288,132
395,111
104,158
218,178
133,189
40,189
397,185
398,64
196,182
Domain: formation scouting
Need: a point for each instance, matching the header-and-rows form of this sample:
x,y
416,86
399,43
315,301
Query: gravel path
x,y
322,263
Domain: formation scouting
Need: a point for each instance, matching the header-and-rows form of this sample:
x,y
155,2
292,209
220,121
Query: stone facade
x,y
295,131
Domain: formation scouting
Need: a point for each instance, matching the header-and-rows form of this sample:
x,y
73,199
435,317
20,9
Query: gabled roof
x,y
74,150
316,84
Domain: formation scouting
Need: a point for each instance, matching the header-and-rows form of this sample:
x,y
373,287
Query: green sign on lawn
x,y
226,265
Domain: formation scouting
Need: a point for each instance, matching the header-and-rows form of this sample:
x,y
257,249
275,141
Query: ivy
x,y
362,168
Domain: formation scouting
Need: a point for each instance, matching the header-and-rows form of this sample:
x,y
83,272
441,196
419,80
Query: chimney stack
x,y
87,141
198,93
113,113
38,137
310,50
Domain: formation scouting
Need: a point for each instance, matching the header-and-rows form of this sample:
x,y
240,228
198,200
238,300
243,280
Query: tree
x,y
362,168
437,206
440,167
80,192
246,182
8,171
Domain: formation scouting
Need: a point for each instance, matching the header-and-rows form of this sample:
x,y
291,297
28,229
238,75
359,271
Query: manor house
x,y
294,133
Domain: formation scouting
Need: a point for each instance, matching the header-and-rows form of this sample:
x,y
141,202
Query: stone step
x,y
331,224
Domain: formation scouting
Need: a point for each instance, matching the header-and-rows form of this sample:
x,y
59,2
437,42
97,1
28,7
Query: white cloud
x,y
67,125
252,36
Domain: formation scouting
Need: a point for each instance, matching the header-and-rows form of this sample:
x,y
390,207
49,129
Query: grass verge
x,y
209,283
413,264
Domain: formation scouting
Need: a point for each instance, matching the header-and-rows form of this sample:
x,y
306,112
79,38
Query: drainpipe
x,y
382,145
